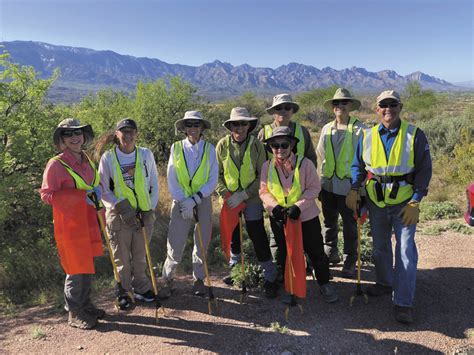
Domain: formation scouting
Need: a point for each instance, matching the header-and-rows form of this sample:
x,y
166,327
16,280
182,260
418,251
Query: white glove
x,y
187,213
236,198
187,203
196,199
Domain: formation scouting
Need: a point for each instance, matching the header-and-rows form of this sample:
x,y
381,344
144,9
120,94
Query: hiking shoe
x,y
329,293
348,270
228,280
403,314
378,290
198,288
165,291
271,289
148,296
334,258
92,310
81,320
124,302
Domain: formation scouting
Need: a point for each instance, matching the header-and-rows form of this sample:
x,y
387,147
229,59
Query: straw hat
x,y
241,114
190,115
71,124
343,94
282,99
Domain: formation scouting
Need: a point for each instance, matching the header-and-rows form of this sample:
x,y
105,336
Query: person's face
x,y
193,129
127,138
281,148
73,139
282,114
389,112
239,130
341,108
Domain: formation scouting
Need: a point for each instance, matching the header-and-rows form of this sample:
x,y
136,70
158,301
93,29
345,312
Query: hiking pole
x,y
358,291
211,297
158,305
104,233
243,292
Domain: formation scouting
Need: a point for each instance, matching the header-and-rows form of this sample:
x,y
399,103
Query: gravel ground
x,y
444,318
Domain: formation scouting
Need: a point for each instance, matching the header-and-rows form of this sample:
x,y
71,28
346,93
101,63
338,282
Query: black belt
x,y
395,180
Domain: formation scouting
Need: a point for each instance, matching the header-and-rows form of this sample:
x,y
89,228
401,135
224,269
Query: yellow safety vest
x,y
191,185
342,165
234,177
268,130
139,196
400,162
275,188
78,179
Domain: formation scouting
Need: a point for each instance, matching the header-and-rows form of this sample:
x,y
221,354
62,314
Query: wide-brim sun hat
x,y
72,124
241,114
282,99
191,115
343,94
389,94
281,131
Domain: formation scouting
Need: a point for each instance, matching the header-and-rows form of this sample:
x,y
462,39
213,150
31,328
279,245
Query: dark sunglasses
x,y
283,107
386,104
276,146
69,134
340,102
239,124
192,124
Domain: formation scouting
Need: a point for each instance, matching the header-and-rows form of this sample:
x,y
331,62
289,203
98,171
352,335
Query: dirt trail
x,y
444,318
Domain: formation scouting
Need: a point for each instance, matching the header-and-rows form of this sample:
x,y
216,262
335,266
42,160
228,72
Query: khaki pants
x,y
178,234
129,250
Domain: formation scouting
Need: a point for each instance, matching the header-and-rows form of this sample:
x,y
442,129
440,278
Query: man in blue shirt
x,y
395,158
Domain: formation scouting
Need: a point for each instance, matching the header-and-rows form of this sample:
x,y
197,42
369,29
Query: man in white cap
x,y
395,158
337,144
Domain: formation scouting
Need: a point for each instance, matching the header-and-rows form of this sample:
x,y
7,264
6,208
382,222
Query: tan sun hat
x,y
388,94
73,124
190,115
343,94
241,114
282,99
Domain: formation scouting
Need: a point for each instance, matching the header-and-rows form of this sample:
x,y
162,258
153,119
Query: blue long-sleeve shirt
x,y
422,157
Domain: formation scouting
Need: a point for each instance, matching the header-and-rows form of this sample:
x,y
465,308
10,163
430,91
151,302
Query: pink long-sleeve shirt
x,y
310,186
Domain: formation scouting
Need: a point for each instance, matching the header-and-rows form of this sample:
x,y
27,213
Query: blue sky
x,y
432,36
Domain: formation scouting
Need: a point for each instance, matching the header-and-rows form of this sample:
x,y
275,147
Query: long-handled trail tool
x,y
211,297
158,305
98,207
358,291
243,292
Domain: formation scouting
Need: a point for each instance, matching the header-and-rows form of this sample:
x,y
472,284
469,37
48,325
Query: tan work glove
x,y
410,213
353,200
126,213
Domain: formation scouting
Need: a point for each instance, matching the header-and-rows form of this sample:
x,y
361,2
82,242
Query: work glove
x,y
98,194
126,213
353,200
293,212
197,197
236,198
410,213
278,213
187,213
187,203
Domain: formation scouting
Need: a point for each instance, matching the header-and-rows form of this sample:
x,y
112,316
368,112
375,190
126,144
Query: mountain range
x,y
84,70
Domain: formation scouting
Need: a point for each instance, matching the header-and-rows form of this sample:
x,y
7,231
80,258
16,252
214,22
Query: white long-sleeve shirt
x,y
127,163
193,155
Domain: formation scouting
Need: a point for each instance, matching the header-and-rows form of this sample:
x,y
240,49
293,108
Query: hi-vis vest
x,y
298,134
400,163
139,196
275,188
235,177
342,165
78,179
191,185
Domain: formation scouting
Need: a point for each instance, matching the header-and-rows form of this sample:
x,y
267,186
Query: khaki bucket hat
x,y
190,115
389,94
282,99
343,94
281,131
241,114
72,124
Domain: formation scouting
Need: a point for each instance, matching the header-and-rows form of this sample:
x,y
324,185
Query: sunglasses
x,y
239,124
283,107
276,146
192,124
340,102
385,104
69,134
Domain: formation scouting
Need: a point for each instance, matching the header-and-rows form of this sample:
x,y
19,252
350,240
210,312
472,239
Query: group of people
x,y
277,171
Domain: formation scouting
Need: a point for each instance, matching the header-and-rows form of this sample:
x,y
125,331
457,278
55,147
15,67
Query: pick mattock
x,y
358,291
243,292
158,305
98,207
211,297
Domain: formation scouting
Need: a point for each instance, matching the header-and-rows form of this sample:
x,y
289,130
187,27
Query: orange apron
x,y
295,269
228,220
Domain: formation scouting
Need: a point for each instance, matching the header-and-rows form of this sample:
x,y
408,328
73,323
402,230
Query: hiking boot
x,y
148,296
198,288
334,258
286,298
92,310
271,289
81,320
378,290
228,280
165,291
403,314
329,293
349,269
124,302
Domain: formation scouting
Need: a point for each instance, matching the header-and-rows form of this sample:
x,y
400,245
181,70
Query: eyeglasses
x,y
192,124
239,124
276,146
70,133
386,104
340,102
283,107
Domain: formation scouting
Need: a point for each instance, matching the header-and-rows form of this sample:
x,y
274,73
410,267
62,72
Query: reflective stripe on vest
x,y
268,130
191,185
275,188
400,162
141,190
235,177
341,166
78,179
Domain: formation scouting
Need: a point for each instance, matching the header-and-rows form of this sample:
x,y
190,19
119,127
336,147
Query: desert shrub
x,y
452,226
418,99
430,211
253,275
462,165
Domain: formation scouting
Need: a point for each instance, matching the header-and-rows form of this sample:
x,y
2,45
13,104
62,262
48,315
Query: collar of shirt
x,y
289,164
72,161
393,131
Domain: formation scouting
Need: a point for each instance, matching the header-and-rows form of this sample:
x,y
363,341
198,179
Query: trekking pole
x,y
358,291
104,233
211,297
158,305
243,292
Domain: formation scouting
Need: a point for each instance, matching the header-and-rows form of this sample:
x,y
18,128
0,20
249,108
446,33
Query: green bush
x,y
430,211
253,275
452,226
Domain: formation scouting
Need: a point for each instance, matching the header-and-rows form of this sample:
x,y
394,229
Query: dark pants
x,y
77,289
334,205
258,236
312,245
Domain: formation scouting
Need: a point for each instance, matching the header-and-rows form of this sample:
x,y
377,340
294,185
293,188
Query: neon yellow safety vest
x,y
341,166
275,188
78,179
400,162
268,130
192,185
235,177
139,196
